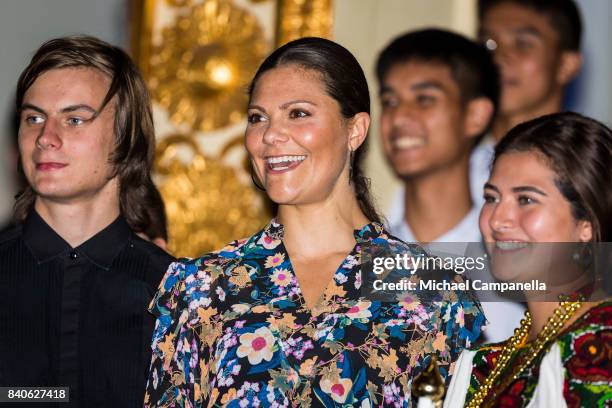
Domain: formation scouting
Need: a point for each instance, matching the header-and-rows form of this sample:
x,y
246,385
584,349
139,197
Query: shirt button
x,y
73,255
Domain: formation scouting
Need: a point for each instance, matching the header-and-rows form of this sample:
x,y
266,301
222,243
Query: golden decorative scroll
x,y
199,71
196,197
179,3
303,18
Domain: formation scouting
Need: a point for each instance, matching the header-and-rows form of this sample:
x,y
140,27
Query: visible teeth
x,y
283,159
507,245
408,142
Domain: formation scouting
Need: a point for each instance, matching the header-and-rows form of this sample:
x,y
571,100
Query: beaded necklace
x,y
555,322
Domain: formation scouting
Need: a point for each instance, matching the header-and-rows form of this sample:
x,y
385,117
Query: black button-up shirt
x,y
78,317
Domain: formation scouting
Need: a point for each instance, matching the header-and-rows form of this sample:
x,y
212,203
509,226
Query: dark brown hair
x,y
345,82
157,215
579,150
134,133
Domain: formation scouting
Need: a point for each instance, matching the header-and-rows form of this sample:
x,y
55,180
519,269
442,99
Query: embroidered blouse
x,y
233,330
575,372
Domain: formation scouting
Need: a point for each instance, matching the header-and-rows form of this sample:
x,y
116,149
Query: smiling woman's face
x,y
296,137
523,204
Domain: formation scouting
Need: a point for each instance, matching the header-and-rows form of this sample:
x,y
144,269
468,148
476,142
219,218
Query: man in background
x,y
536,45
439,94
75,279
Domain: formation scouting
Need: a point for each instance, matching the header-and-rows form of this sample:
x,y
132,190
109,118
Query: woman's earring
x,y
254,180
351,155
584,255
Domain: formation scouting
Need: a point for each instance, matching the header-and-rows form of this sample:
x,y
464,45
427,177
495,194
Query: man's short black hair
x,y
564,17
470,63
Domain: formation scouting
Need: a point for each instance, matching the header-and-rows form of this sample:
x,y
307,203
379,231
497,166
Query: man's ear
x,y
358,130
478,115
569,66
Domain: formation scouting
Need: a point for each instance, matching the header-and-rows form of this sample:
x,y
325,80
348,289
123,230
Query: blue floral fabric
x,y
233,330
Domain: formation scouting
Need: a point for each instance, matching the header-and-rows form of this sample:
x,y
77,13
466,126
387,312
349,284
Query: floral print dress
x,y
233,330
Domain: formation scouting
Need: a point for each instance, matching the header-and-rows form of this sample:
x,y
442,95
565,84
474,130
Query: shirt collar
x,y
465,231
101,249
42,240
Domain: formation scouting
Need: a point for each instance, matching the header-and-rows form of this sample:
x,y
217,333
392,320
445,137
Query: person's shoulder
x,y
598,317
210,265
151,250
155,258
601,313
484,149
584,349
10,235
232,250
396,245
188,280
11,240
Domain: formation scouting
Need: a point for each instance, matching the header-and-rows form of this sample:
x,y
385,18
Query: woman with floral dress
x,y
280,318
551,185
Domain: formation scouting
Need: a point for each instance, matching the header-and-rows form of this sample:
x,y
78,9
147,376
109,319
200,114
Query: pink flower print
x,y
281,277
360,310
257,346
338,390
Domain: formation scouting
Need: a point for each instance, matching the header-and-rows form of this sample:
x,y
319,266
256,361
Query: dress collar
x,y
373,230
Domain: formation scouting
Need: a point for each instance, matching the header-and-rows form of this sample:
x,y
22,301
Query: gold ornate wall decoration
x,y
303,18
196,197
197,57
179,3
199,71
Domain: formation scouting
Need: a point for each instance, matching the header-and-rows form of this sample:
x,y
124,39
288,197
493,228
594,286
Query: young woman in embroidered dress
x,y
550,189
279,319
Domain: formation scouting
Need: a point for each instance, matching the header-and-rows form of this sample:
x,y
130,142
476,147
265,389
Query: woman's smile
x,y
282,164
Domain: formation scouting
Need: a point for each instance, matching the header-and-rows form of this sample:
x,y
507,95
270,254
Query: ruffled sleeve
x,y
178,364
462,323
468,319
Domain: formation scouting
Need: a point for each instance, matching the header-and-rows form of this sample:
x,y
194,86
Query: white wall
x,y
594,87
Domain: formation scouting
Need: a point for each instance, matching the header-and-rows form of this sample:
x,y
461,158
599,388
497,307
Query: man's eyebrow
x,y
527,30
67,109
29,106
81,106
385,89
419,86
529,189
